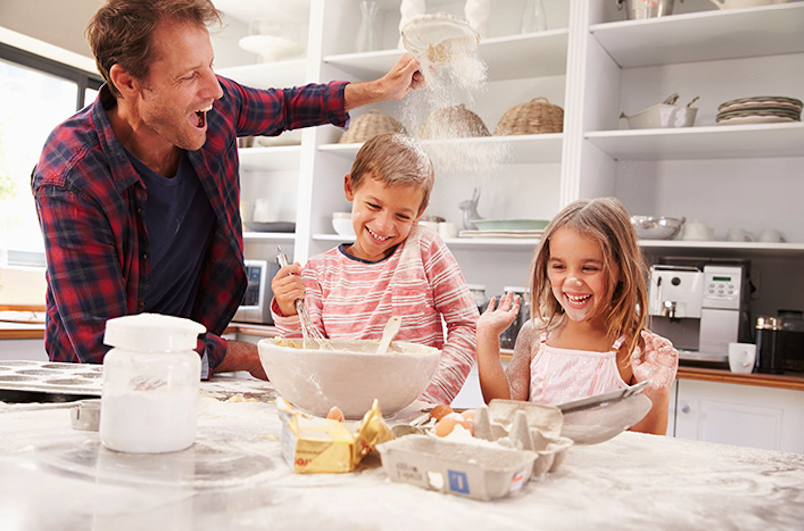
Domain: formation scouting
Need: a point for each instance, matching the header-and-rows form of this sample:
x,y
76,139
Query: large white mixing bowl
x,y
351,376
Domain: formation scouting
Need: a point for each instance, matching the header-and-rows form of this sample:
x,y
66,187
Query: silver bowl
x,y
656,227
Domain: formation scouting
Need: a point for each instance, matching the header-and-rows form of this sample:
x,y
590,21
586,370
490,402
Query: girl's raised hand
x,y
657,362
494,321
287,287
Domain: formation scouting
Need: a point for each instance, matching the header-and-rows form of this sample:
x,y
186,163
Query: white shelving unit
x,y
594,64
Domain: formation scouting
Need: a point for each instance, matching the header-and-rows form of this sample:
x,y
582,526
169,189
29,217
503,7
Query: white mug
x,y
742,357
770,236
430,225
447,230
697,231
739,235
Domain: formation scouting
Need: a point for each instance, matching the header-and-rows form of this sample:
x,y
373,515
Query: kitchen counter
x,y
235,478
789,380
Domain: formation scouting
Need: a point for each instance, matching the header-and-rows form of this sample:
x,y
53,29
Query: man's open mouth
x,y
201,114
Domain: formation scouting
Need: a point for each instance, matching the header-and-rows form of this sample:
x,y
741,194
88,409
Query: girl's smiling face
x,y
577,274
382,216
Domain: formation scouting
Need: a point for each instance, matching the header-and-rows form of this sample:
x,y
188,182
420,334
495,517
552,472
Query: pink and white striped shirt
x,y
349,298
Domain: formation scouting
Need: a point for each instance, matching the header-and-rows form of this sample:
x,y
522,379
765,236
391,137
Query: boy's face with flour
x,y
382,215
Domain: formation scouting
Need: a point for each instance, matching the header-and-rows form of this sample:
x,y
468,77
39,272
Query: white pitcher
x,y
739,4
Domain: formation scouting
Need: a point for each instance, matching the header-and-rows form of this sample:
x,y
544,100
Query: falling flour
x,y
450,83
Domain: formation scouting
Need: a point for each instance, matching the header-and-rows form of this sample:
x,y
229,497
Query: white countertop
x,y
234,478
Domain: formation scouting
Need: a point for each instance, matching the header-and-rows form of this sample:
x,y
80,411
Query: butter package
x,y
312,445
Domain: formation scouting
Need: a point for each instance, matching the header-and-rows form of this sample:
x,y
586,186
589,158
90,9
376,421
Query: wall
x,y
57,22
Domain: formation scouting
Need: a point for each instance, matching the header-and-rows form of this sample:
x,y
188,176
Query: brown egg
x,y
447,423
336,414
440,411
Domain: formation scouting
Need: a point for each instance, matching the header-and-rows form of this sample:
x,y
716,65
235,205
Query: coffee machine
x,y
700,309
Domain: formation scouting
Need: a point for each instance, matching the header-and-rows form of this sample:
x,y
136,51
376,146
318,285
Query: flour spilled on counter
x,y
449,85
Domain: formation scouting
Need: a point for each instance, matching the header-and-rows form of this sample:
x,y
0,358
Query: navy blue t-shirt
x,y
179,220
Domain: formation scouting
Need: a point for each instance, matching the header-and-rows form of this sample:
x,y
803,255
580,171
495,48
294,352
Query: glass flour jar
x,y
151,377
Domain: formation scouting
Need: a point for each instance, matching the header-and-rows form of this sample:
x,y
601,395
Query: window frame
x,y
85,80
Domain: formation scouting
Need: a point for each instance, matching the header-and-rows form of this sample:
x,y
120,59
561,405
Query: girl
x,y
587,332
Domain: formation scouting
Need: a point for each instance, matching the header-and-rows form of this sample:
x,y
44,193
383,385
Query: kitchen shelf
x,y
718,249
270,158
279,74
509,57
524,149
704,248
517,244
268,236
740,141
704,36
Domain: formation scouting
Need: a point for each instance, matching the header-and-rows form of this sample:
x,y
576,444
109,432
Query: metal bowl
x,y
656,227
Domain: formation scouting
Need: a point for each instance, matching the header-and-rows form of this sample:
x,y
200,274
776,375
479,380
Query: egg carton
x,y
53,379
513,443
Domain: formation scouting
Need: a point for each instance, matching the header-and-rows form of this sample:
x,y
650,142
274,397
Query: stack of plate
x,y
759,110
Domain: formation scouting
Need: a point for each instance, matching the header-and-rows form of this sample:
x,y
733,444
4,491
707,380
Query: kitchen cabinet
x,y
744,415
594,64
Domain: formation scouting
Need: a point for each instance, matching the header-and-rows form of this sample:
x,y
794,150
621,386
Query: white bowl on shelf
x,y
662,116
342,223
271,48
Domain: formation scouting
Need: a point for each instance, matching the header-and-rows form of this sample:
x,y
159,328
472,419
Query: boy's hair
x,y
394,159
606,221
121,32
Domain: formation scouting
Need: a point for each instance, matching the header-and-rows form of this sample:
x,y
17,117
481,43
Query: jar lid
x,y
769,323
152,331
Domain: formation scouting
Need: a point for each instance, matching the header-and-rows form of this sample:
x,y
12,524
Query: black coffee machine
x,y
780,342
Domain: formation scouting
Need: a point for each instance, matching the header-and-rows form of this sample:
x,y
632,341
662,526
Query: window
x,y
38,94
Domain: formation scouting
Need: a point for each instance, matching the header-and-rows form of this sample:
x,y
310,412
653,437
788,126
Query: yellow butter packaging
x,y
313,445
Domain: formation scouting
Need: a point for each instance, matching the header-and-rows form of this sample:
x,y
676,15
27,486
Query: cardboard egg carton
x,y
513,443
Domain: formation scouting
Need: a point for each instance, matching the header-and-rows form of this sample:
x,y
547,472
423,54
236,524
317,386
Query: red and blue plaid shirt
x,y
89,200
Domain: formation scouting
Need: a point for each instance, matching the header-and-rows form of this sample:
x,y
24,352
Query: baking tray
x,y
46,381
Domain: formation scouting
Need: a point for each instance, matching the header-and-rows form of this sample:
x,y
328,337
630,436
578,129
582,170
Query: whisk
x,y
312,338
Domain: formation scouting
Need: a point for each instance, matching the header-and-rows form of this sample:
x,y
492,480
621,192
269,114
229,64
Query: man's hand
x,y
394,85
242,356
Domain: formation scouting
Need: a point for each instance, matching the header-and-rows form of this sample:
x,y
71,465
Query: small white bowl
x,y
342,223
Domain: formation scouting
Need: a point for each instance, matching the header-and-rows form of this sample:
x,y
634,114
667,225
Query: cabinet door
x,y
759,417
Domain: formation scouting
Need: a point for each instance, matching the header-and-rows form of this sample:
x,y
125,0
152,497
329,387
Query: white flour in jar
x,y
145,422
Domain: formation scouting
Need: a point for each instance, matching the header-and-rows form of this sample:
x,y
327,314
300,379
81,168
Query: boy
x,y
394,267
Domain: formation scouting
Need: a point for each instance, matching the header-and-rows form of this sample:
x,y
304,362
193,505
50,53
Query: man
x,y
138,195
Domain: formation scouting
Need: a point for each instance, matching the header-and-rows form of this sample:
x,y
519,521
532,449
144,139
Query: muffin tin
x,y
46,381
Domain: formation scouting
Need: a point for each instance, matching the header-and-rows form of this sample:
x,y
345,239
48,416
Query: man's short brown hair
x,y
121,32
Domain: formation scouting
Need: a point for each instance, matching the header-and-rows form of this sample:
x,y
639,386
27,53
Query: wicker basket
x,y
536,116
452,122
369,125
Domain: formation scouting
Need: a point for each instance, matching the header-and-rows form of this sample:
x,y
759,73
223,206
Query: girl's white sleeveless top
x,y
559,375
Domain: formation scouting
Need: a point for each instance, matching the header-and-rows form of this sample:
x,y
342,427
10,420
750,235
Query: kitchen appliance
x,y
256,304
780,343
700,310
